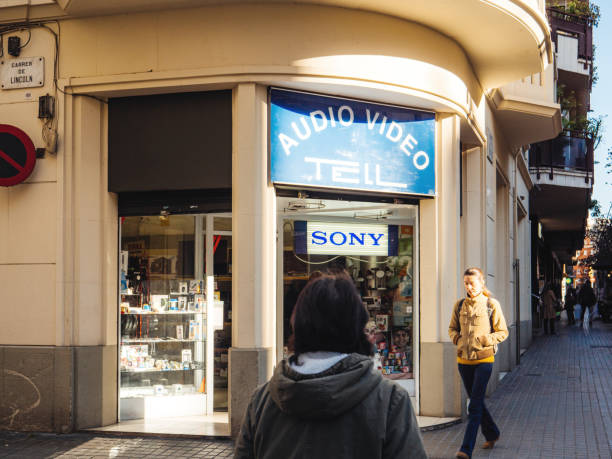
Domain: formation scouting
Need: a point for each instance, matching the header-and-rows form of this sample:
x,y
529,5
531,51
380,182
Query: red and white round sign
x,y
17,155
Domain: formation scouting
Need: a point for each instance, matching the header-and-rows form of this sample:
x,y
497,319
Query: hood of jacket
x,y
324,395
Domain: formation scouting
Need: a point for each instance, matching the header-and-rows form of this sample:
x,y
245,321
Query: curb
x,y
444,425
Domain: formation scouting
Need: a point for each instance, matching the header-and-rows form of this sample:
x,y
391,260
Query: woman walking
x,y
326,400
549,300
477,326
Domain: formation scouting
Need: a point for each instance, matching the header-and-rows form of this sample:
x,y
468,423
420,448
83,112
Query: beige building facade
x,y
482,67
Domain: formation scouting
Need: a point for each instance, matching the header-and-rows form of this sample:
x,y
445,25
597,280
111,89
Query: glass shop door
x,y
175,315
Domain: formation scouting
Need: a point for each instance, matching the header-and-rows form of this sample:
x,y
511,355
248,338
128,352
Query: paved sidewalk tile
x,y
556,404
84,445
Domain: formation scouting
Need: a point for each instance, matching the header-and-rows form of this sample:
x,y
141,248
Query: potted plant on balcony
x,y
580,8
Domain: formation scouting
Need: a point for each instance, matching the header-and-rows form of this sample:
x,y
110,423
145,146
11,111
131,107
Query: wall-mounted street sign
x,y
17,155
330,238
328,142
24,72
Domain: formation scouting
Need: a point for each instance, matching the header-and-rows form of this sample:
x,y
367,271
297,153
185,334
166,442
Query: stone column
x,y
440,277
253,257
88,282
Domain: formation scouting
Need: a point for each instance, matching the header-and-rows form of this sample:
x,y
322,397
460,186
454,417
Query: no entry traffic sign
x,y
17,155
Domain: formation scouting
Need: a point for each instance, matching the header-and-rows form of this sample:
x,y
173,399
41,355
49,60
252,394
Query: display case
x,y
163,352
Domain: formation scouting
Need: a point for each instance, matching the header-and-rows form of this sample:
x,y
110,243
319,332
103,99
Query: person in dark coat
x,y
570,302
587,299
326,400
549,301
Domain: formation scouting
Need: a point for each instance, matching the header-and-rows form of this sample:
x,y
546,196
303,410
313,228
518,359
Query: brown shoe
x,y
462,455
489,444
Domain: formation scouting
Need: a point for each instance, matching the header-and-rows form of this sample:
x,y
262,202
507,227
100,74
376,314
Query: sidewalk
x,y
557,403
85,445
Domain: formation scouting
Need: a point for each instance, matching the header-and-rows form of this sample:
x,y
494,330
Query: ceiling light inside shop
x,y
304,204
379,215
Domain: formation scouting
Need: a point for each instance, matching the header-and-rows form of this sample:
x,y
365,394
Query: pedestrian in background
x,y
549,301
326,400
477,326
587,299
570,302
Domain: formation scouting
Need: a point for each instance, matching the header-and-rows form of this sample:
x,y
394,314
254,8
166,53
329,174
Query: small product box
x,y
195,330
195,286
382,322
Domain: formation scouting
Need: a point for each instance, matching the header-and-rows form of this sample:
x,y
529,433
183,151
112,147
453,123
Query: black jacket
x,y
586,296
347,411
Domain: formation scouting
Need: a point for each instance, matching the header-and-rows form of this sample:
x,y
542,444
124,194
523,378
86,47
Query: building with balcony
x,y
582,271
150,261
562,168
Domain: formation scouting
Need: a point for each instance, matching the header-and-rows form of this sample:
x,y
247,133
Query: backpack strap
x,y
490,312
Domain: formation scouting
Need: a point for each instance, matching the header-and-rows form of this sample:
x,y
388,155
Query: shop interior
x,y
337,234
175,321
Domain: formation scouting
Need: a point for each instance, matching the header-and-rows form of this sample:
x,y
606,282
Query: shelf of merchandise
x,y
290,278
160,340
170,313
157,370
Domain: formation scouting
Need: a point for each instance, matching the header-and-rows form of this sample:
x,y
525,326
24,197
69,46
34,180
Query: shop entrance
x,y
175,315
376,244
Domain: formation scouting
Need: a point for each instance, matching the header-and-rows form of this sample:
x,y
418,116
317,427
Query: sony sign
x,y
330,238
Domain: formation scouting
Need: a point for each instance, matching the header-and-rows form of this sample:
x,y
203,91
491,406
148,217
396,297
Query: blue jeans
x,y
475,379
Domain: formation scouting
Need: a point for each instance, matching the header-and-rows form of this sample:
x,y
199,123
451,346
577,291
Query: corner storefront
x,y
194,188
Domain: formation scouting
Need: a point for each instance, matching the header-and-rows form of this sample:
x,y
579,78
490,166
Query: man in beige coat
x,y
476,327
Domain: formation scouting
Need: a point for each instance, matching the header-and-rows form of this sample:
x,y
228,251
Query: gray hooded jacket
x,y
347,411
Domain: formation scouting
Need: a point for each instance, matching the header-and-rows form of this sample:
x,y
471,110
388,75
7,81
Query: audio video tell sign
x,y
328,142
330,238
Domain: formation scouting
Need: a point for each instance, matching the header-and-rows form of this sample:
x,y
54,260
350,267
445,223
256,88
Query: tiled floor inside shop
x,y
214,425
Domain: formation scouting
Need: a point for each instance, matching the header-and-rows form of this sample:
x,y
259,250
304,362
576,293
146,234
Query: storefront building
x,y
203,162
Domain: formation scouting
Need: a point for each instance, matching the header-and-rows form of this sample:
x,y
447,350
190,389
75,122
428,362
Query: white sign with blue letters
x,y
330,238
327,142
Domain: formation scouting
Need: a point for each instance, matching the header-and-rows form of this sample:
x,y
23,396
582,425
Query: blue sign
x,y
327,142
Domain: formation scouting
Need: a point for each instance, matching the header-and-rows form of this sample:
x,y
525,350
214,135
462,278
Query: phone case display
x,y
392,310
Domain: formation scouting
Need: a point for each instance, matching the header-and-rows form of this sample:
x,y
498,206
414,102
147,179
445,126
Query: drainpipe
x,y
517,312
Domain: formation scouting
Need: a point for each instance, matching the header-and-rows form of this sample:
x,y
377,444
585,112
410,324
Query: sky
x,y
601,104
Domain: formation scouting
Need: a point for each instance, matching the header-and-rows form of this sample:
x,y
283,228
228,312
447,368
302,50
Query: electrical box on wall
x,y
14,46
46,107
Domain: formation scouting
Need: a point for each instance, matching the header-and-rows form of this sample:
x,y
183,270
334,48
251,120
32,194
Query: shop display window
x,y
337,239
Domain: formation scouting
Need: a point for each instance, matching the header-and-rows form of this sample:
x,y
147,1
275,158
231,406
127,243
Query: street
x,y
557,403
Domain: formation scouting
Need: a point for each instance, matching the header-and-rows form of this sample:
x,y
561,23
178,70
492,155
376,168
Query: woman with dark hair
x,y
326,400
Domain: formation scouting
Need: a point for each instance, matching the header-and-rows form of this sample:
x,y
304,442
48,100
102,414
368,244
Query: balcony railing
x,y
571,151
578,26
